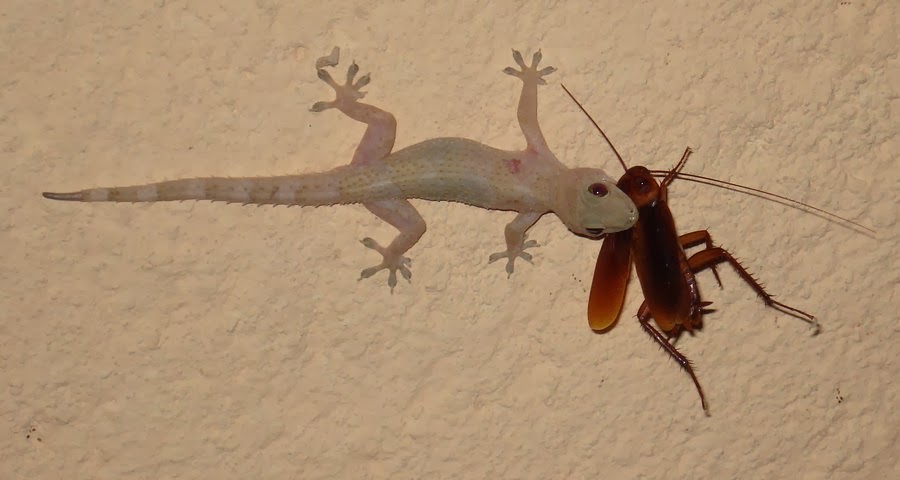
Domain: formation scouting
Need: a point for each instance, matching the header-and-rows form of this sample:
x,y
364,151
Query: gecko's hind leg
x,y
378,140
404,217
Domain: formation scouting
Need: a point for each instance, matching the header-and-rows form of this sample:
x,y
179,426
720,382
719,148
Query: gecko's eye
x,y
598,190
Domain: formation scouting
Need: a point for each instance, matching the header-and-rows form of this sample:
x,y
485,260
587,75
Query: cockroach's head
x,y
592,205
640,186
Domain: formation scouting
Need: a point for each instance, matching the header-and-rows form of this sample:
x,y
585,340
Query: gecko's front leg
x,y
527,112
515,241
376,144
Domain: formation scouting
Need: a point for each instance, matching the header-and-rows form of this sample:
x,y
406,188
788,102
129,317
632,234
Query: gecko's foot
x,y
345,94
511,254
529,74
390,262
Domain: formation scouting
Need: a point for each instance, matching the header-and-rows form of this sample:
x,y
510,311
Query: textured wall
x,y
197,340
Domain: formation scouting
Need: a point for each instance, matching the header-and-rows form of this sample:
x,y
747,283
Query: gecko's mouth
x,y
595,232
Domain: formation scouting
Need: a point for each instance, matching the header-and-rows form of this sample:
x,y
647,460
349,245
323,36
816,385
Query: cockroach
x,y
666,273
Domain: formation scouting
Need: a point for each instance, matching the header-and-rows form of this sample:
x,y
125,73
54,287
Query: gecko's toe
x,y
321,106
512,254
529,73
390,262
368,272
517,57
329,60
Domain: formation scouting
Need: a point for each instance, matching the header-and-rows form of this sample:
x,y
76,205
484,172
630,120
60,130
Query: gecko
x,y
531,181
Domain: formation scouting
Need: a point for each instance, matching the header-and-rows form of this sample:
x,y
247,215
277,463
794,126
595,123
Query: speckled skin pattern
x,y
530,181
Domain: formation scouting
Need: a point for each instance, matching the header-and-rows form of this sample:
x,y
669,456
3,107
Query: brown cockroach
x,y
665,271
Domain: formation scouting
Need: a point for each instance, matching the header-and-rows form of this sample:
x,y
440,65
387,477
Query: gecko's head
x,y
592,204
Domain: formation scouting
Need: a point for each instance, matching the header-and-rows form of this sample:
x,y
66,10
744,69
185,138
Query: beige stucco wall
x,y
214,341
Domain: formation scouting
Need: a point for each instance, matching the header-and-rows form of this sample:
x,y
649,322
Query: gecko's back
x,y
465,171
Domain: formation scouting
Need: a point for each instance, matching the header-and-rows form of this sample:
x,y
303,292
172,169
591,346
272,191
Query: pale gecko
x,y
531,181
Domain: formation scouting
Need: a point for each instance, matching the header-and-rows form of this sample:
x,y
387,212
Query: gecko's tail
x,y
68,197
224,189
339,186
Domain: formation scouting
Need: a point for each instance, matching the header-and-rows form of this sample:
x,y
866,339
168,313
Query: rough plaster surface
x,y
212,341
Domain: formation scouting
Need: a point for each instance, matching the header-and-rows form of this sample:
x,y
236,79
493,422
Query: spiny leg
x,y
673,173
515,241
527,113
644,319
713,256
692,239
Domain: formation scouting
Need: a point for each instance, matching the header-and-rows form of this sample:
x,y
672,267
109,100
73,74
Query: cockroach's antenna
x,y
772,197
735,187
613,147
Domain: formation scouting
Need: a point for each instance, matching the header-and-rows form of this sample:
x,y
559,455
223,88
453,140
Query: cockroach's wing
x,y
610,278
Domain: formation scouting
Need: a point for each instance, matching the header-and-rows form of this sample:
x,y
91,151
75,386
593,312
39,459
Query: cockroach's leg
x,y
658,337
664,194
692,239
713,256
